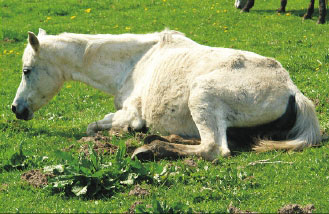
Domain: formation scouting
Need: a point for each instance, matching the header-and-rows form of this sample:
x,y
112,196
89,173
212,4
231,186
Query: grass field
x,y
301,47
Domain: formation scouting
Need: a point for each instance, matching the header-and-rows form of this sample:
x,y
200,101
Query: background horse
x,y
246,5
172,85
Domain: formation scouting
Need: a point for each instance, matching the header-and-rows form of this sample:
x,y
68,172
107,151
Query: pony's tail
x,y
305,132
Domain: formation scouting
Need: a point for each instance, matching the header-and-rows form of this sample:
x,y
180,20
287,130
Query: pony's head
x,y
240,3
41,79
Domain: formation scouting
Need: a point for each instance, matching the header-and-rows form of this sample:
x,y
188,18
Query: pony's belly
x,y
170,117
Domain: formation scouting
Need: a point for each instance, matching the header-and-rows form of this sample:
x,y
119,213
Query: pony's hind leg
x,y
282,9
248,6
209,117
310,10
322,11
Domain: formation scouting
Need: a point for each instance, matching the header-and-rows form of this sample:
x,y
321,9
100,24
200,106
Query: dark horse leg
x,y
282,9
322,12
310,10
248,6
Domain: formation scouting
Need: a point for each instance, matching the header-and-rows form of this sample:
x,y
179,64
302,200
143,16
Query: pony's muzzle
x,y
21,112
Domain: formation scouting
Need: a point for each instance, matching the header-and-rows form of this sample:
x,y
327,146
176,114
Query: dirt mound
x,y
133,207
190,162
296,209
101,144
36,178
98,138
139,191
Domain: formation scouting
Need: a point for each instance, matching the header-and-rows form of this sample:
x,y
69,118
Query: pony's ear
x,y
34,41
42,32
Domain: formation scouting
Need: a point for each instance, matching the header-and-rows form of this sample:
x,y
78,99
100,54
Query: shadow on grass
x,y
26,129
299,13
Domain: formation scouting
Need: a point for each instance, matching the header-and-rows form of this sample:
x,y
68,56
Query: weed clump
x,y
88,175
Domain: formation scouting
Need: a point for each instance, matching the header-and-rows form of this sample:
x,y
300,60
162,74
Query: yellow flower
x,y
69,86
48,18
11,51
164,0
217,11
73,17
145,8
225,11
317,69
5,51
116,26
225,31
279,14
128,28
88,10
288,14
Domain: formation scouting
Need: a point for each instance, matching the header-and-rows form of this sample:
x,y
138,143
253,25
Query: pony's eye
x,y
26,71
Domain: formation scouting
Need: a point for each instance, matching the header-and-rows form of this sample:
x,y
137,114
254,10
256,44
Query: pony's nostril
x,y
13,108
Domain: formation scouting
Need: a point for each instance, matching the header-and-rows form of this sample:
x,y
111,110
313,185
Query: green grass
x,y
301,47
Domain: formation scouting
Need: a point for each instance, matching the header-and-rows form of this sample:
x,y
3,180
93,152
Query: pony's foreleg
x,y
248,6
282,9
310,10
104,124
322,11
124,119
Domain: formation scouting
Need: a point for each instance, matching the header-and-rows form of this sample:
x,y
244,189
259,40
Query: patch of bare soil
x,y
190,162
101,144
234,210
296,209
3,187
36,178
97,138
133,207
139,191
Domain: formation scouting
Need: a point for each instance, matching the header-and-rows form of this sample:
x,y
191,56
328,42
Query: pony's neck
x,y
104,62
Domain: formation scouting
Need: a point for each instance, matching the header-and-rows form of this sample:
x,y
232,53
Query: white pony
x,y
172,85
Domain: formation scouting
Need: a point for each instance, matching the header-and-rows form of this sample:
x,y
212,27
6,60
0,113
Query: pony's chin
x,y
25,117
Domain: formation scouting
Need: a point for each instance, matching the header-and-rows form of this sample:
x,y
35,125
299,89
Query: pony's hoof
x,y
321,21
280,10
143,153
306,16
91,129
244,11
226,153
